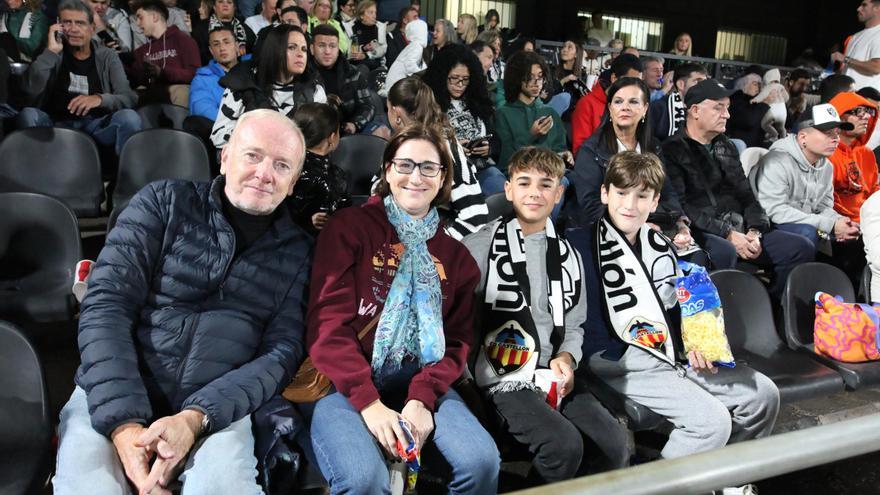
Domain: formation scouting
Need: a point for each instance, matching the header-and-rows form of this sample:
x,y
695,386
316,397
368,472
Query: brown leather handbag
x,y
309,384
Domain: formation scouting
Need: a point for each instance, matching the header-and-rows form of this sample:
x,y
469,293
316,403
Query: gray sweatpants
x,y
707,410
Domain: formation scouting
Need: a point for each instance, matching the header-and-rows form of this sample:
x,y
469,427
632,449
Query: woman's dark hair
x,y
272,63
476,95
416,98
317,121
518,45
518,70
643,130
423,133
490,14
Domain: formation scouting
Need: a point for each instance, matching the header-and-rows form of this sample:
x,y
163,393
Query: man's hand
x,y
567,157
135,460
420,419
319,220
52,44
384,424
837,57
745,247
562,366
349,128
152,71
667,82
845,229
83,104
699,363
683,239
541,126
171,437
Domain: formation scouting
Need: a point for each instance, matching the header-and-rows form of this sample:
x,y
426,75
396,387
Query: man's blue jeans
x,y
110,130
87,462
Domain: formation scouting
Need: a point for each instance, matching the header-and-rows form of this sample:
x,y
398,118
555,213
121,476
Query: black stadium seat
x,y
748,320
25,427
360,155
798,306
58,162
156,154
163,115
39,249
498,206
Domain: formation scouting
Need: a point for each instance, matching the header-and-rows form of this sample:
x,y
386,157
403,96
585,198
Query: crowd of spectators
x,y
640,151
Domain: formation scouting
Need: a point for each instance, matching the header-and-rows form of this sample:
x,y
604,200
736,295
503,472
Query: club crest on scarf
x,y
509,348
647,333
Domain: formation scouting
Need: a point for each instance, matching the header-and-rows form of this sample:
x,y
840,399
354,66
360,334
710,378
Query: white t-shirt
x,y
864,45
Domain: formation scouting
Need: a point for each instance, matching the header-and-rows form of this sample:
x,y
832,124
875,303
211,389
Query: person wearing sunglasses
x,y
855,166
390,264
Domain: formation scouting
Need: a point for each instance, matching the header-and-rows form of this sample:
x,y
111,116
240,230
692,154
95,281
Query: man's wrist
x,y
197,421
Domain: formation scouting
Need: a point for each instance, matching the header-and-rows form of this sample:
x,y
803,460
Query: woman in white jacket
x,y
410,59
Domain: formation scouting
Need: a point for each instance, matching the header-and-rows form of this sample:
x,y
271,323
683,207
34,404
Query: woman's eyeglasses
x,y
405,166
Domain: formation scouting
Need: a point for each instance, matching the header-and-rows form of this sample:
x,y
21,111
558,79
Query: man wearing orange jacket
x,y
855,166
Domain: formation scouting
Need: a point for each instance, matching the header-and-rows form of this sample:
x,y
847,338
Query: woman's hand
x,y
384,424
420,419
481,149
319,220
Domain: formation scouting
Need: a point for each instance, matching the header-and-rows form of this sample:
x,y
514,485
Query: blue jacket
x,y
205,92
173,319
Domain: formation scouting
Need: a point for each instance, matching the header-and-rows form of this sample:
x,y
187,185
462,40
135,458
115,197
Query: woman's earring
x,y
398,121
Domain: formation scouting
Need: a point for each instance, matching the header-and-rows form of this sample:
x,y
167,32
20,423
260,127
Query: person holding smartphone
x,y
524,120
79,83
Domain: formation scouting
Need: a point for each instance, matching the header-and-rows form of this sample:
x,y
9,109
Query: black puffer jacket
x,y
346,81
711,183
172,320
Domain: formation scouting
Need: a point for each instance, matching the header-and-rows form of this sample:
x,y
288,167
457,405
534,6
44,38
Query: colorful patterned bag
x,y
844,331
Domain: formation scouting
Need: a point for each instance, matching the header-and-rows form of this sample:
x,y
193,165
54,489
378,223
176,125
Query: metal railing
x,y
723,70
733,465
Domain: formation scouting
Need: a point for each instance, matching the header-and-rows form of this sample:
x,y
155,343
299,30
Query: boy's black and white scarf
x,y
637,289
510,344
676,112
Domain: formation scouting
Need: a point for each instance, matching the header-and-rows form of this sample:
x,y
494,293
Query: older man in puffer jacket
x,y
192,320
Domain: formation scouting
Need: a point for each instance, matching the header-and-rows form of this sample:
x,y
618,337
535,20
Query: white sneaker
x,y
740,490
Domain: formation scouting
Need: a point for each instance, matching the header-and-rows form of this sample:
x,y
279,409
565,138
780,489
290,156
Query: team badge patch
x,y
509,348
647,333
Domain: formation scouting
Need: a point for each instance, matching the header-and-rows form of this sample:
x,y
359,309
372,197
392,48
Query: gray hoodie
x,y
791,190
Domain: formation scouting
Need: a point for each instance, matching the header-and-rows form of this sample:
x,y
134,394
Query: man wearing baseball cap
x,y
794,181
726,218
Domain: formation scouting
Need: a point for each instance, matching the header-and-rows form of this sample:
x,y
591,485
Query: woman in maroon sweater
x,y
391,259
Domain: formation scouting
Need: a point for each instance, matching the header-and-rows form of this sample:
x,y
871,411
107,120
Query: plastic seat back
x,y
498,205
25,432
162,116
360,155
39,249
748,317
750,157
798,299
156,154
58,162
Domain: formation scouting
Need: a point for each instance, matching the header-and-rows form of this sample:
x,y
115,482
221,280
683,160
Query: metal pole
x,y
733,465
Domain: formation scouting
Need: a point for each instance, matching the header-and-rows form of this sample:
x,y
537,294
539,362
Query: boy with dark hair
x,y
633,344
524,120
533,297
167,64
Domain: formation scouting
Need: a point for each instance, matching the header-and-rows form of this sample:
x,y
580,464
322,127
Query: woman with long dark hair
x,y
456,77
410,100
569,76
625,128
281,80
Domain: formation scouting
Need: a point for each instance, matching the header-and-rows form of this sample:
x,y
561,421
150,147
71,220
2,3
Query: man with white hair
x,y
193,320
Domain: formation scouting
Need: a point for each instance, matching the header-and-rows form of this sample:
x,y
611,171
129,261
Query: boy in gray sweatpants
x,y
630,343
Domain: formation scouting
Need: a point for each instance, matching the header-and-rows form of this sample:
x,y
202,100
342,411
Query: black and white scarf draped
x,y
237,27
638,289
676,112
510,344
